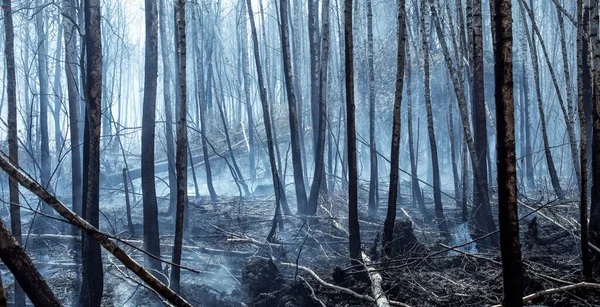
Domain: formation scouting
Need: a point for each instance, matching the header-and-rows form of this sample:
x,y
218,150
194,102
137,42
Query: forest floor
x,y
234,264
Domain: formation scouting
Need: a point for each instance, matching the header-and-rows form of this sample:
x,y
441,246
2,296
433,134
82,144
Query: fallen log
x,y
376,279
93,232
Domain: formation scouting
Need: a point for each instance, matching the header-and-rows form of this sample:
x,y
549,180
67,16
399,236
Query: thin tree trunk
x,y
127,205
437,196
268,130
373,180
478,114
151,232
583,207
246,79
536,73
319,173
353,225
462,107
527,122
301,199
42,57
390,219
167,70
181,143
13,147
202,109
92,273
508,219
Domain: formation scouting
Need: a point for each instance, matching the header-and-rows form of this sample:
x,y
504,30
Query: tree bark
x,y
462,107
248,103
13,147
151,232
181,145
478,114
373,180
508,219
267,123
167,70
92,273
353,225
319,172
390,219
536,73
594,227
293,116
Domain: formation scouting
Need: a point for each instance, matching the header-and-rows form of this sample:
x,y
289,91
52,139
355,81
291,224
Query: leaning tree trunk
x,y
267,123
462,107
390,219
25,272
319,173
248,103
92,273
150,207
437,196
508,220
293,115
13,147
536,73
181,145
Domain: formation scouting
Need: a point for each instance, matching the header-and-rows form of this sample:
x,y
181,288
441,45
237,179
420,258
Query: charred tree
x,y
594,227
167,87
437,195
293,115
390,219
13,147
508,220
319,172
373,180
247,101
181,143
92,273
150,207
353,225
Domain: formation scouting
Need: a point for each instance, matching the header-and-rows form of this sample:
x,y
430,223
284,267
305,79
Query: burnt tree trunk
x,y
150,207
301,199
508,220
13,147
353,225
373,180
390,219
92,273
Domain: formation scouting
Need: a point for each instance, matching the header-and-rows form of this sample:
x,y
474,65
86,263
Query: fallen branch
x,y
380,298
581,285
92,231
338,288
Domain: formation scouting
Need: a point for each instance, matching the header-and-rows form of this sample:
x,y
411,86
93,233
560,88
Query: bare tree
x,y
390,219
293,115
92,273
181,150
594,227
13,147
437,195
353,225
508,220
151,234
373,180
